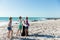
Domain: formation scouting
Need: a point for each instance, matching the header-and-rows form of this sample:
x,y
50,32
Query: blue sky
x,y
31,8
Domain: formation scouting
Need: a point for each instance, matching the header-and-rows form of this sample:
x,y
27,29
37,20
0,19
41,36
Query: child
x,y
20,26
10,31
26,27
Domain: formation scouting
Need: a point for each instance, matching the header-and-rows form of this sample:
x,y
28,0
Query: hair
x,y
26,17
20,17
10,18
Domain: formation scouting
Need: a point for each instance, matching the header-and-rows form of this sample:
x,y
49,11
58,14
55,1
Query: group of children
x,y
22,27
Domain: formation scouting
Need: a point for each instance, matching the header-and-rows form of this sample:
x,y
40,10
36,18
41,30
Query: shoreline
x,y
38,29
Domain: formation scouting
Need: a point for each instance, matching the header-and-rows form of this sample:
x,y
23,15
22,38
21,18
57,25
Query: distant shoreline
x,y
52,18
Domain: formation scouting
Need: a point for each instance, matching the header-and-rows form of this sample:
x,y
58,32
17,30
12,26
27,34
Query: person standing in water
x,y
20,26
26,27
10,31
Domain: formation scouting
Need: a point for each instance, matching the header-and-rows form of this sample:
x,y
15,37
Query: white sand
x,y
41,30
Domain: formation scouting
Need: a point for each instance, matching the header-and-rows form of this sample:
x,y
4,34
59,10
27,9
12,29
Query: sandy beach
x,y
39,30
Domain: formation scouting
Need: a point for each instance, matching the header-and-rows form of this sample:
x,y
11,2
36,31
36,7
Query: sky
x,y
30,8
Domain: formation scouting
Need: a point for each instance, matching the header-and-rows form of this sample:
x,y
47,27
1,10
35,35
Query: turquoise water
x,y
16,18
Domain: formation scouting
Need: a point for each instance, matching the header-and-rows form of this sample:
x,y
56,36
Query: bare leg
x,y
11,33
8,34
17,32
20,32
25,32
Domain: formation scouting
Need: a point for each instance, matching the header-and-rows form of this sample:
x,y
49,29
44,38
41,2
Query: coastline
x,y
39,29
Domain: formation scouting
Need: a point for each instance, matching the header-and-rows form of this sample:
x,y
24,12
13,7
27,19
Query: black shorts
x,y
9,28
26,27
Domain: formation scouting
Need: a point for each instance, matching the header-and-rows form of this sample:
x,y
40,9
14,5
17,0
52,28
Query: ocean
x,y
16,18
4,20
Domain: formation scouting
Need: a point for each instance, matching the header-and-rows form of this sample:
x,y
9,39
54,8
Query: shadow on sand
x,y
34,35
22,39
46,36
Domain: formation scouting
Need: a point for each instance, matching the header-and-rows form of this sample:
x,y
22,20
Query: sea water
x,y
4,20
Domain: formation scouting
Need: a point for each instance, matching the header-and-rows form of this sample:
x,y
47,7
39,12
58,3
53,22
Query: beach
x,y
39,30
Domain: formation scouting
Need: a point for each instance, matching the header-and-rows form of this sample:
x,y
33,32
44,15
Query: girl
x,y
20,25
10,31
27,26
